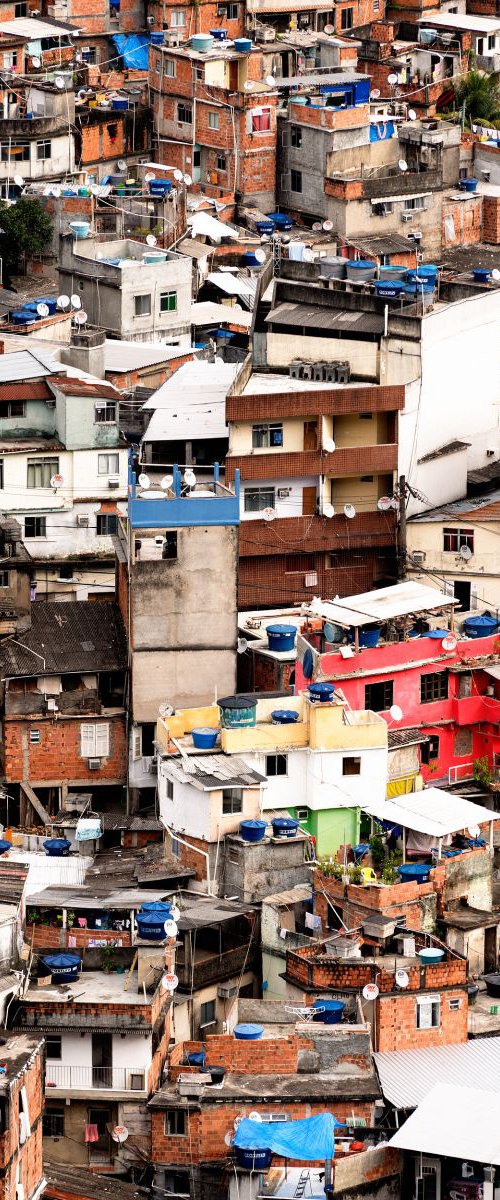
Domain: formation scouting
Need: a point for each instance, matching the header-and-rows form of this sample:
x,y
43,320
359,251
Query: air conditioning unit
x,y
82,521
311,579
418,556
51,705
136,1081
94,764
114,481
283,493
406,216
151,20
226,991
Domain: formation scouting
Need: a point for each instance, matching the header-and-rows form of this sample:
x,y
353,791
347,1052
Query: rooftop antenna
x,y
144,481
328,511
270,80
269,514
177,175
59,82
121,164
63,301
187,180
189,477
75,301
349,511
403,165
327,226
151,240
166,482
384,503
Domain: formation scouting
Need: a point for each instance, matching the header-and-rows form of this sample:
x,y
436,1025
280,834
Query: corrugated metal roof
x,y
38,390
130,356
382,604
295,895
13,876
329,78
469,21
406,1076
455,1121
211,772
432,811
208,312
26,364
234,285
200,420
405,737
478,508
81,635
83,387
64,1180
33,29
321,317
203,224
194,379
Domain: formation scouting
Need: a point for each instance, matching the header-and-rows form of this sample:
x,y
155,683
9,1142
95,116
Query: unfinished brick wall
x,y
395,1026
58,756
29,1155
491,217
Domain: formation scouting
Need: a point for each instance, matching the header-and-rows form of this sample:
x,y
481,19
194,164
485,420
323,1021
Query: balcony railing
x,y
213,967
117,1079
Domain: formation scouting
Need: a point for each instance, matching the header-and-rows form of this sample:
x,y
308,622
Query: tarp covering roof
x,y
309,1140
203,225
133,49
432,811
382,604
454,1121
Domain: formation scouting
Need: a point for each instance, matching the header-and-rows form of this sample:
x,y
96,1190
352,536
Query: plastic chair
x,y
369,875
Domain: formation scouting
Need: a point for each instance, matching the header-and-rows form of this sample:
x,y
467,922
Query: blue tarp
x,y
310,1140
382,131
133,48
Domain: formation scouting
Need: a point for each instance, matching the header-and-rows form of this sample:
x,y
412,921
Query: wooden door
x,y
310,435
308,501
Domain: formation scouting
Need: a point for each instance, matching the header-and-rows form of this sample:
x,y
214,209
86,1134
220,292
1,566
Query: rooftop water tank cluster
x,y
35,310
151,919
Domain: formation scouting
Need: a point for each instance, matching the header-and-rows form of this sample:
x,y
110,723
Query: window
x,y
142,306
176,1183
213,120
296,181
66,572
232,800
185,114
169,549
351,766
15,408
41,470
428,1012
43,150
463,593
433,686
53,1120
430,749
302,815
107,524
53,1042
296,136
10,60
454,539
454,1005
221,162
175,1122
376,5
200,75
169,67
168,302
259,498
108,464
105,413
35,737
231,12
20,152
414,202
261,120
21,9
175,847
177,18
267,435
207,1013
347,18
491,41
366,416
94,741
35,527
4,579
379,696
1,472
276,764
170,789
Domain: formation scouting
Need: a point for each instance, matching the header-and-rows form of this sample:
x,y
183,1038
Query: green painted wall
x,y
332,827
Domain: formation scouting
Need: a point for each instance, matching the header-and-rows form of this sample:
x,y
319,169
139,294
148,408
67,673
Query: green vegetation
x,y
25,231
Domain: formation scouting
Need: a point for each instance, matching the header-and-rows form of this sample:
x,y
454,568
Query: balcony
x,y
338,402
212,968
350,460
472,710
366,530
61,1079
181,506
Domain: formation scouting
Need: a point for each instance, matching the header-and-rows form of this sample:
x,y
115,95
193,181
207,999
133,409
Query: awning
x,y
383,604
493,671
432,811
457,1122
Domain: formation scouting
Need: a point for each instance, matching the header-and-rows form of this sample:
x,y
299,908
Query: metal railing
x,y
119,1079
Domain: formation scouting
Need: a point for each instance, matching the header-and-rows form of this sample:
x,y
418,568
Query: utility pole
x,y
402,529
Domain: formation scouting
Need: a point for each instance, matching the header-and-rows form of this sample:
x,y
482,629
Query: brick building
x,y
21,1106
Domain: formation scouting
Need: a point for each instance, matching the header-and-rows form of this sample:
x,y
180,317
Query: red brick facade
x,y
57,756
25,1159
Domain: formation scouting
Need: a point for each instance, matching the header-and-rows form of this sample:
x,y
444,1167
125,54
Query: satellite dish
x,y
270,80
18,180
412,116
254,1116
349,511
384,503
317,227
228,1139
394,502
56,191
166,482
169,982
329,29
375,95
260,255
370,991
95,190
171,929
328,511
396,712
402,164
121,164
248,85
264,238
189,477
177,175
151,240
402,979
81,317
392,79
149,176
187,180
119,1133
36,62
327,226
474,831
465,552
269,514
56,481
329,445
42,310
144,481
75,301
242,645
166,710
495,274
59,82
449,643
63,301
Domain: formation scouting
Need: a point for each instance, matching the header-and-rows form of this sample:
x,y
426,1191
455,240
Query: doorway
x,y
310,435
196,164
102,1060
462,590
490,948
427,1178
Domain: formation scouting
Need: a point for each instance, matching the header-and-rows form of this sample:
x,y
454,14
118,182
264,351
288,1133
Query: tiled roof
x,y
84,635
36,389
13,876
82,387
405,737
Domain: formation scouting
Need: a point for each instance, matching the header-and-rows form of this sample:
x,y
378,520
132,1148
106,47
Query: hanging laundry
x,y
91,1133
88,829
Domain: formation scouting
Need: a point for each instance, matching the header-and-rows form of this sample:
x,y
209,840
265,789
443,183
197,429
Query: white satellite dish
x,y
327,226
166,482
169,982
166,710
412,116
328,511
375,95
396,712
121,164
18,180
59,82
228,1139
392,79
269,514
242,645
248,85
394,502
254,1116
270,80
329,29
265,238
260,255
75,301
370,991
63,301
402,164
42,310
151,240
187,180
349,511
56,191
449,643
474,831
176,912
149,176
119,1133
144,481
81,317
56,481
317,227
36,62
465,552
95,191
177,175
384,503
495,274
329,445
171,928
189,477
402,979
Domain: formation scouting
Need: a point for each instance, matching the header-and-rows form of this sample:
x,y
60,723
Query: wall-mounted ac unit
x,y
94,764
114,481
283,493
406,216
82,521
418,556
226,991
51,705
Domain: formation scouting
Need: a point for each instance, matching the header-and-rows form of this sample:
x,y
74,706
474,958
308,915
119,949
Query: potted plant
x,y
71,919
377,851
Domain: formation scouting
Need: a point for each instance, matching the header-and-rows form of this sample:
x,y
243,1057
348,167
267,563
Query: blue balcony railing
x,y
179,504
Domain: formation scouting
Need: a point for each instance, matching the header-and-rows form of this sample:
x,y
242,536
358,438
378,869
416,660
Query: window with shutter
x,y
137,743
102,741
87,740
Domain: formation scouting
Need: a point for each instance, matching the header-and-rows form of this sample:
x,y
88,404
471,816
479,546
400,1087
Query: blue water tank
x,y
248,1033
5,845
157,37
151,925
252,831
483,626
57,847
204,739
158,906
285,827
253,1160
63,967
281,637
324,692
284,716
332,1014
242,45
281,220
